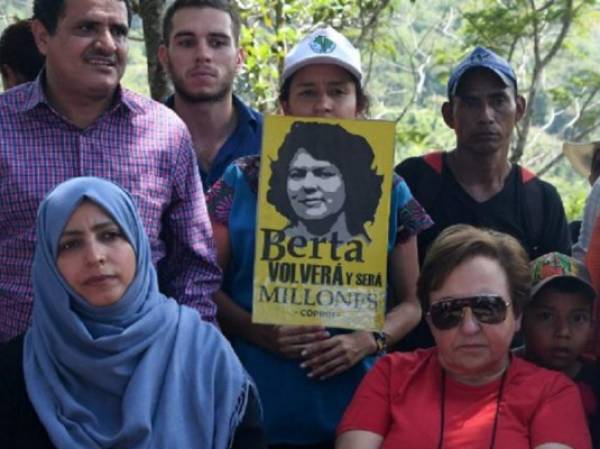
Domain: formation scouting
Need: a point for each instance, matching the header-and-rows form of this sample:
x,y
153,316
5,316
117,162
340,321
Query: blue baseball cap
x,y
481,57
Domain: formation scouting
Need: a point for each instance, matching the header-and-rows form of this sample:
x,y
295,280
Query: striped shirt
x,y
137,143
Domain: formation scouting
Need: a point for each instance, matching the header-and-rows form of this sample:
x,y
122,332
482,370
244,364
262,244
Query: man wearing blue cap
x,y
475,183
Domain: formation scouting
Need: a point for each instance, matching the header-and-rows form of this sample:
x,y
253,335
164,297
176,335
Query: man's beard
x,y
223,91
201,97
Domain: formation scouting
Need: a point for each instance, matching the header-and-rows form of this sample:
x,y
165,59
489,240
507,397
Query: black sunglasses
x,y
487,309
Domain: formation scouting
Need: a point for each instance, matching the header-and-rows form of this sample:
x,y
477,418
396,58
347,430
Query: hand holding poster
x,y
322,224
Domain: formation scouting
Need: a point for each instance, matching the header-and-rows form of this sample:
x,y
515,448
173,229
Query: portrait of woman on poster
x,y
109,361
319,189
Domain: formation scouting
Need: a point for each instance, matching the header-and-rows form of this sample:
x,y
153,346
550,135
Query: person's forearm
x,y
553,446
406,313
196,291
358,439
237,321
233,319
189,272
401,320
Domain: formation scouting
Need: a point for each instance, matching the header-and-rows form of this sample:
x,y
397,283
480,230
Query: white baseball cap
x,y
323,46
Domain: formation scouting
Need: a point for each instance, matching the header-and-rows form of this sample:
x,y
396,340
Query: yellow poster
x,y
322,224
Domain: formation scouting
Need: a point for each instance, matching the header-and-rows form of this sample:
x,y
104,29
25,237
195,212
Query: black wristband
x,y
381,342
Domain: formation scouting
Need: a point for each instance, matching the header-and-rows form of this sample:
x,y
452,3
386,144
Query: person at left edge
x,y
109,361
75,119
201,53
20,59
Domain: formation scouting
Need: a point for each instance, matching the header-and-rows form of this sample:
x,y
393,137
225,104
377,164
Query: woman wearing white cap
x,y
306,375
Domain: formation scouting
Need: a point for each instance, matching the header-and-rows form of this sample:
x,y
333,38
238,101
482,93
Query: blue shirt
x,y
245,140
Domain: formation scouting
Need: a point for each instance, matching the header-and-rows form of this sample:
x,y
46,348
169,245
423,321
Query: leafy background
x,y
408,49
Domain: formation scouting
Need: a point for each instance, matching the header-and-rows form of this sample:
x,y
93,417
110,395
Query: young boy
x,y
557,325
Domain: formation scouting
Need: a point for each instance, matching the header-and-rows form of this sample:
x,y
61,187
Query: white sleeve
x,y
590,214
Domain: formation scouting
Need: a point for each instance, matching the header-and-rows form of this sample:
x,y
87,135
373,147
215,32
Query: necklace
x,y
496,416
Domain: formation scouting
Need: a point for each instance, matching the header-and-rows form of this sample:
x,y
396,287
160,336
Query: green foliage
x,y
422,130
136,75
572,187
408,50
272,27
496,25
538,38
14,9
573,195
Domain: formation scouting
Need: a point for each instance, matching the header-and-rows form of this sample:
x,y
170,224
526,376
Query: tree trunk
x,y
151,13
540,64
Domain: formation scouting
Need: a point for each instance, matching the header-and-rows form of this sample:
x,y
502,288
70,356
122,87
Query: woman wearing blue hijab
x,y
109,361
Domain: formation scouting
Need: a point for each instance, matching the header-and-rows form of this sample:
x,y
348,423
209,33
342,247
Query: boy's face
x,y
556,327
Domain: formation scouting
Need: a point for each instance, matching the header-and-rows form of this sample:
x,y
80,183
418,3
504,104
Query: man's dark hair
x,y
19,51
350,153
227,6
49,11
460,86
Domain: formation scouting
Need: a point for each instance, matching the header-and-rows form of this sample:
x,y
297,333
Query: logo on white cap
x,y
322,44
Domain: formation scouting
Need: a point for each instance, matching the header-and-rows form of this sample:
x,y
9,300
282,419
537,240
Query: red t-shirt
x,y
400,399
592,260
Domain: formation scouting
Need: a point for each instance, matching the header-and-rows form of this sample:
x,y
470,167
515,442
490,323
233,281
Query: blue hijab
x,y
144,372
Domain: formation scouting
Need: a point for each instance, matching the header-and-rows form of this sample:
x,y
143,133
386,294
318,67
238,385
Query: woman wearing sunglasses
x,y
467,392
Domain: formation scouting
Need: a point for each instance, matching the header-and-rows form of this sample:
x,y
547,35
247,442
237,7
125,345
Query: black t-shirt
x,y
540,227
527,208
